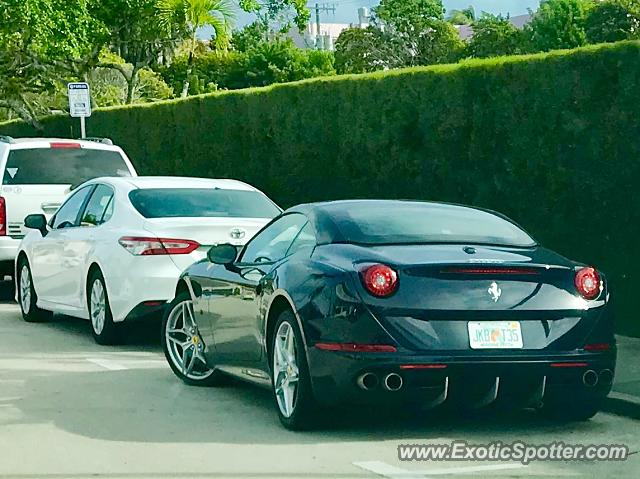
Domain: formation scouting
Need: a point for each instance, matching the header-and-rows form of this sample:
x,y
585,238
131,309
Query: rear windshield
x,y
61,166
406,222
202,202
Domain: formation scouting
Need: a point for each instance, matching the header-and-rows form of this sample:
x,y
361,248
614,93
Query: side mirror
x,y
37,222
222,254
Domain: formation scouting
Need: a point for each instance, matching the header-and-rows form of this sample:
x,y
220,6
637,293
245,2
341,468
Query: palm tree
x,y
193,15
466,16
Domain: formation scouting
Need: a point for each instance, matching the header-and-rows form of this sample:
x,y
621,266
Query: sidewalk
x,y
624,399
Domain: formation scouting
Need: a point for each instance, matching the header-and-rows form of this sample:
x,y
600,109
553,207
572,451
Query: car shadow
x,y
141,335
151,405
144,402
7,292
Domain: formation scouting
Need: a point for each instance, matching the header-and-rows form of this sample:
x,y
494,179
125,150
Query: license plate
x,y
495,335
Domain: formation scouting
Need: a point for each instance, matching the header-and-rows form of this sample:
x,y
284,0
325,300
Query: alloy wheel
x,y
184,343
285,369
98,306
25,289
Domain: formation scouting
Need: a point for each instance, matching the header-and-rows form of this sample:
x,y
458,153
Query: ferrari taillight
x,y
3,217
138,246
380,280
588,283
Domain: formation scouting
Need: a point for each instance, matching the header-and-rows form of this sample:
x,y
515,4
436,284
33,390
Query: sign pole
x,y
83,128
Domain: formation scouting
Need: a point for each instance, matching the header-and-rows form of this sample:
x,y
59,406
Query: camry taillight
x,y
380,280
588,283
138,246
3,217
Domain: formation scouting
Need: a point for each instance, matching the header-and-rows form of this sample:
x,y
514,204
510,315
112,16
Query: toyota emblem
x,y
237,233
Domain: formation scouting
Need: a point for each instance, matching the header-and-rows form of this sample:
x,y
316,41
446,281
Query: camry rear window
x,y
414,222
61,166
202,202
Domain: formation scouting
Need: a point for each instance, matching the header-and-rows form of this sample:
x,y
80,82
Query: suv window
x,y
98,210
67,215
61,166
274,241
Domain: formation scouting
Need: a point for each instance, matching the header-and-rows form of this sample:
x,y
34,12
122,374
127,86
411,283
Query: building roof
x,y
519,21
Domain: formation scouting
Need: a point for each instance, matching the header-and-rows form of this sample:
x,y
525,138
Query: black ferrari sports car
x,y
396,302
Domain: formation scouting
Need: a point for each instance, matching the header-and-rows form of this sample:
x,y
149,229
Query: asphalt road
x,y
70,408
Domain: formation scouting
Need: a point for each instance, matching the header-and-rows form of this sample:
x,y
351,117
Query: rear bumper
x,y
519,380
8,252
137,280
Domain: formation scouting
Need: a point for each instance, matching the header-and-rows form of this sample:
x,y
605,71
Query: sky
x,y
347,10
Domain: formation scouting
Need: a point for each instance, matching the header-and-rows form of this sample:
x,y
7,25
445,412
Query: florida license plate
x,y
495,335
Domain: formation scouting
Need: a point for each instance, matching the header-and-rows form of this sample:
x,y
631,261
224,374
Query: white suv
x,y
37,174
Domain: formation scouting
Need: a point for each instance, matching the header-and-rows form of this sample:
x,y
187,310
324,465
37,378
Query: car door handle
x,y
49,206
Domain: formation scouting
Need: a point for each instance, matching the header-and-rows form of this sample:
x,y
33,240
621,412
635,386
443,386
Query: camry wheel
x,y
183,345
105,331
27,296
291,381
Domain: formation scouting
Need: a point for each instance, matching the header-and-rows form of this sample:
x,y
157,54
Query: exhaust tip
x,y
606,376
393,382
590,378
368,381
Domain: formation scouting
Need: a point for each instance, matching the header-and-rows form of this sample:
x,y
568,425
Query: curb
x,y
622,404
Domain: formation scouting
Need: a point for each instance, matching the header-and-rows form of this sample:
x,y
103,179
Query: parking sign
x,y
79,100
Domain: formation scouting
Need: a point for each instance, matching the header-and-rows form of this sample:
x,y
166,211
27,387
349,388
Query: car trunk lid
x,y
205,231
473,278
443,288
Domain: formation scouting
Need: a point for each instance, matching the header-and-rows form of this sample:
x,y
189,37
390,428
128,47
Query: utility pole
x,y
324,8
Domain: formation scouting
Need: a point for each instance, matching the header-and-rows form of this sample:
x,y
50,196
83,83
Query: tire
x,y
105,331
27,297
181,340
297,408
571,407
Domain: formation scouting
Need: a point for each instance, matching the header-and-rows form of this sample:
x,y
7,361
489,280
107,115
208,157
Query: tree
x,y
281,61
269,62
137,35
279,15
494,35
558,24
465,16
439,43
361,50
109,86
43,43
250,36
409,16
425,37
195,14
613,20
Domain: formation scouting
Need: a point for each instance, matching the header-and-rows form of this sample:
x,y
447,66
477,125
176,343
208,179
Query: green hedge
x,y
552,140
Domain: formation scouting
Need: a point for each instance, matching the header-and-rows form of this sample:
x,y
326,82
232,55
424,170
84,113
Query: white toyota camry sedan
x,y
115,249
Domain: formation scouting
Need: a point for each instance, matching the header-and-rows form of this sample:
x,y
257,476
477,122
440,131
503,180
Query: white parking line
x,y
386,470
471,469
107,364
392,472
